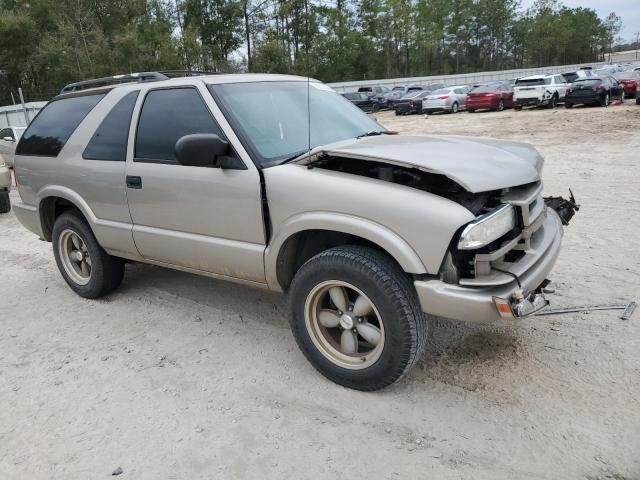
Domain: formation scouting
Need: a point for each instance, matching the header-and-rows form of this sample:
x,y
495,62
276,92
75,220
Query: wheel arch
x,y
54,201
306,235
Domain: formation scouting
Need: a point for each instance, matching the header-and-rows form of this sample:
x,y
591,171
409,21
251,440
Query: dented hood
x,y
477,164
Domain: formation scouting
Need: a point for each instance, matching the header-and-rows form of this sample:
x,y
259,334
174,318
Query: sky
x,y
629,10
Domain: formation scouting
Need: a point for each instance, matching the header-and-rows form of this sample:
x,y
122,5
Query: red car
x,y
630,81
493,96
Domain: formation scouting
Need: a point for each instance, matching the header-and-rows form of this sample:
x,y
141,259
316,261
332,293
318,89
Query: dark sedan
x,y
363,101
410,103
599,91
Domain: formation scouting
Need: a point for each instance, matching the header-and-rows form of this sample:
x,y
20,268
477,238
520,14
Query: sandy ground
x,y
180,377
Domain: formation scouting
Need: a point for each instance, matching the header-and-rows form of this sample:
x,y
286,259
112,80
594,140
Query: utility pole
x,y
24,107
637,43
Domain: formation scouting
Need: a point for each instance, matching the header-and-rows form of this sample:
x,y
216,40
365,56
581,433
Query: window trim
x,y
137,92
159,161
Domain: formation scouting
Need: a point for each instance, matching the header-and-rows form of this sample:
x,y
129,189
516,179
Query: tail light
x,y
443,97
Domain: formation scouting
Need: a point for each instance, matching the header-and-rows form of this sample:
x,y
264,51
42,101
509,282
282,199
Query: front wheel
x,y
553,103
454,107
5,202
500,106
605,100
86,267
568,104
356,317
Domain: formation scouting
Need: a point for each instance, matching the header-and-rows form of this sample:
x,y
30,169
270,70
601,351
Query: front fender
x,y
385,238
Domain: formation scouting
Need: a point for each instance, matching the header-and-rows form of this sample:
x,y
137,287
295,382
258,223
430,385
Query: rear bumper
x,y
478,303
582,99
524,102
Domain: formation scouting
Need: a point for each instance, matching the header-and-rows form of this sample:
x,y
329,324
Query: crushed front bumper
x,y
481,303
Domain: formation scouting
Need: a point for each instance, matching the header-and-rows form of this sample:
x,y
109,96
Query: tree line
x,y
45,44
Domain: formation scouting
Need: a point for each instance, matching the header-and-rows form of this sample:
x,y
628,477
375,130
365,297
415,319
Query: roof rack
x,y
131,77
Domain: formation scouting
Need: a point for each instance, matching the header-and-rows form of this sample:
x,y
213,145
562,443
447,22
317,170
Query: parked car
x,y
5,187
226,176
363,101
9,138
377,92
410,103
449,99
408,88
389,98
630,81
494,96
599,91
539,90
413,90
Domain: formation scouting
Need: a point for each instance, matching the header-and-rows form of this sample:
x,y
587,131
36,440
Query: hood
x,y
477,164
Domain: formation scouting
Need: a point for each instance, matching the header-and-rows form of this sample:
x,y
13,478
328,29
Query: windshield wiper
x,y
375,133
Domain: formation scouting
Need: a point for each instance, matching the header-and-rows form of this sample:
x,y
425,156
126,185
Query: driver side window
x,y
166,116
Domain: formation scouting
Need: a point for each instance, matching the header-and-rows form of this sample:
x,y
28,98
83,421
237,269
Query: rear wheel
x,y
568,104
86,267
454,107
517,107
471,110
356,317
5,202
500,106
553,103
605,100
397,112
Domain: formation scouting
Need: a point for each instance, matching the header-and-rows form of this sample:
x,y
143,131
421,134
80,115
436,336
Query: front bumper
x,y
524,102
478,303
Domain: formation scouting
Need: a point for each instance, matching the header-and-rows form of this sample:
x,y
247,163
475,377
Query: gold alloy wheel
x,y
344,325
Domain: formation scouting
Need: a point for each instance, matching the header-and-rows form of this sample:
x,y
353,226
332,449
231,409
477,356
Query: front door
x,y
201,218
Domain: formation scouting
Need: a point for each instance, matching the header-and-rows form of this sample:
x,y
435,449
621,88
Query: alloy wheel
x,y
75,257
344,324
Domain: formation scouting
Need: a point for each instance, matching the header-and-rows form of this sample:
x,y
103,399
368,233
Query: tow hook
x,y
524,306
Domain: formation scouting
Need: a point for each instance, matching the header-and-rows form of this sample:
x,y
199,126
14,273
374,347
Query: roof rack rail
x,y
131,77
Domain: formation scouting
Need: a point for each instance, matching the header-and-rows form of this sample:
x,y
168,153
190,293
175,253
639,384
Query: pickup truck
x,y
539,90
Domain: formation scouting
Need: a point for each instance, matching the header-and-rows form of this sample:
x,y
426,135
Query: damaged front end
x,y
565,209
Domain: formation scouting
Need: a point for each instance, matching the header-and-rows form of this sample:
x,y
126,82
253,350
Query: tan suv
x,y
278,182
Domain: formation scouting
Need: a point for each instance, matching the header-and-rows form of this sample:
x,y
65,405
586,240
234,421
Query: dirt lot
x,y
180,377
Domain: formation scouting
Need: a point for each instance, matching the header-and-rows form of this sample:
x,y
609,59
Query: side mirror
x,y
205,150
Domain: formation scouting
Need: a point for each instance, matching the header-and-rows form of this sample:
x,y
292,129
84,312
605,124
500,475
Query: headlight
x,y
487,228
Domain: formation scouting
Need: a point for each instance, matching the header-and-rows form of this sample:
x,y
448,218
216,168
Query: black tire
x,y
637,99
397,112
106,271
553,103
568,104
517,107
454,107
500,106
5,202
604,101
471,110
392,293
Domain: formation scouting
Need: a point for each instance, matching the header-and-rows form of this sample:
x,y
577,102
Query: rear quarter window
x,y
56,122
109,142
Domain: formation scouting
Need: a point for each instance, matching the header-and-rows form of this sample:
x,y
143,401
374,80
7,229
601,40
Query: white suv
x,y
537,90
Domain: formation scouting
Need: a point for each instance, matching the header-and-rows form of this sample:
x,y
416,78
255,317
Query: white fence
x,y
13,115
461,79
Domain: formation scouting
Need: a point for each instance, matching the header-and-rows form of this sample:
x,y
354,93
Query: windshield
x,y
588,81
442,91
627,75
525,82
274,117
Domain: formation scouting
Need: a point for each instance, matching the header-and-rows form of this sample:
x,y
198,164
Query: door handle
x,y
134,181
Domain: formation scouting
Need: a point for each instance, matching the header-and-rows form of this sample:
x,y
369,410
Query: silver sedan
x,y
449,99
